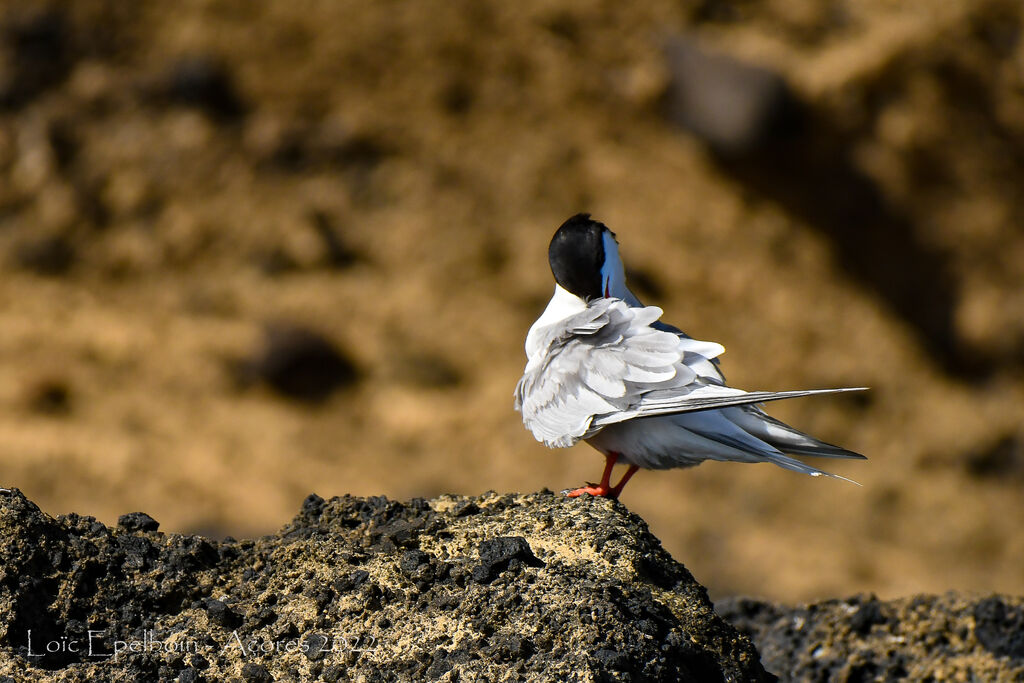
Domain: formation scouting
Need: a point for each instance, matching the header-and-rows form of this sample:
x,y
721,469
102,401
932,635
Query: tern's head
x,y
584,259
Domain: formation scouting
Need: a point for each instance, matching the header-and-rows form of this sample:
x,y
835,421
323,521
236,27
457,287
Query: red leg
x,y
604,488
617,489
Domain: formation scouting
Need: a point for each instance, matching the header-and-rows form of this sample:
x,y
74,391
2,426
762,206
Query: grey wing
x,y
600,362
707,393
703,397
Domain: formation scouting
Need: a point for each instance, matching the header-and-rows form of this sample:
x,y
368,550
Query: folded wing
x,y
608,364
602,362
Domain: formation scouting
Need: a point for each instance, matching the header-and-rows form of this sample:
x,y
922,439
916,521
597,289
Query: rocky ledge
x,y
494,587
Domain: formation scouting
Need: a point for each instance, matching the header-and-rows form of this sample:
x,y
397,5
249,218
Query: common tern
x,y
602,368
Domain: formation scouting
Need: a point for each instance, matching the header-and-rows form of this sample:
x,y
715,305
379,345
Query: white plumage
x,y
605,370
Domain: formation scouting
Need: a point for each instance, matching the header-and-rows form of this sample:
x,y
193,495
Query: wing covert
x,y
600,361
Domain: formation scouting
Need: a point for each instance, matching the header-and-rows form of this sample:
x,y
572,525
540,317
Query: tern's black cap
x,y
576,255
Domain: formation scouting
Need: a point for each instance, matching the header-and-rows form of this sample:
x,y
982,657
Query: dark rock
x,y
564,25
300,364
190,675
717,11
499,554
353,580
457,97
221,614
413,559
947,637
305,610
256,673
465,508
313,646
735,108
38,53
312,506
1004,457
47,255
63,143
137,521
202,82
334,673
50,397
1000,629
867,615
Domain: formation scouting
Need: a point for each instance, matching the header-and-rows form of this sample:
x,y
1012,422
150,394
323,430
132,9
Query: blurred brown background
x,y
185,187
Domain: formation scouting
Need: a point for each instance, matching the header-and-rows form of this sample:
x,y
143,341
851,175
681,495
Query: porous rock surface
x,y
495,587
951,637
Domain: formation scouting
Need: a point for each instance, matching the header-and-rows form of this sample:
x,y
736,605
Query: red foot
x,y
604,488
591,490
